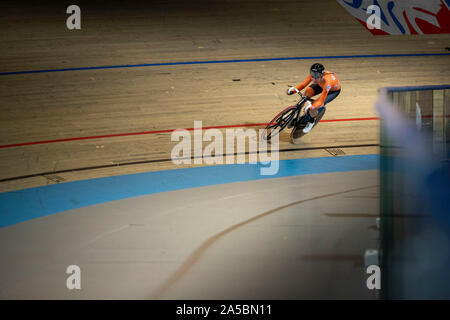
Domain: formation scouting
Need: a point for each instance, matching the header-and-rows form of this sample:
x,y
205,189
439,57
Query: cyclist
x,y
324,83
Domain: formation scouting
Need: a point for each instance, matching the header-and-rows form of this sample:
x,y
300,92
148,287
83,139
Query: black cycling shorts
x,y
331,94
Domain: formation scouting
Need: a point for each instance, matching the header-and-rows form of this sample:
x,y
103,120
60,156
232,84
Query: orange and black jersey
x,y
329,82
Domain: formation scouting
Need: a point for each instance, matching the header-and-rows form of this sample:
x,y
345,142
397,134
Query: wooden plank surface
x,y
62,105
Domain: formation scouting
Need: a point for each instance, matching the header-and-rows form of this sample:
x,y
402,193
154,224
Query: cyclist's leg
x,y
311,91
330,97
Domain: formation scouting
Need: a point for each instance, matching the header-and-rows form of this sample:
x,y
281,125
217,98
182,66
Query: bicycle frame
x,y
300,108
294,116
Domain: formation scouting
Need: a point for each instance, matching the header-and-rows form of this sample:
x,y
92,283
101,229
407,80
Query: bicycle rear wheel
x,y
297,132
279,122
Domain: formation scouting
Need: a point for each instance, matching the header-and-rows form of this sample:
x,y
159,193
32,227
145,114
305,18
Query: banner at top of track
x,y
403,17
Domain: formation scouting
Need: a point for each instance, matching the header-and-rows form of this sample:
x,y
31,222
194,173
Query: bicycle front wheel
x,y
279,122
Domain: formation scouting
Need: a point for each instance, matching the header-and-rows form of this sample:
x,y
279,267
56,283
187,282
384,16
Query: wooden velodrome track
x,y
152,100
63,105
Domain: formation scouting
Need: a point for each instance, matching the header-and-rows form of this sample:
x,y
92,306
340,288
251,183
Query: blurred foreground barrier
x,y
415,192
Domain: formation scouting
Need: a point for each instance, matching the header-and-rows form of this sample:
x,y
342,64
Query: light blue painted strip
x,y
23,205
